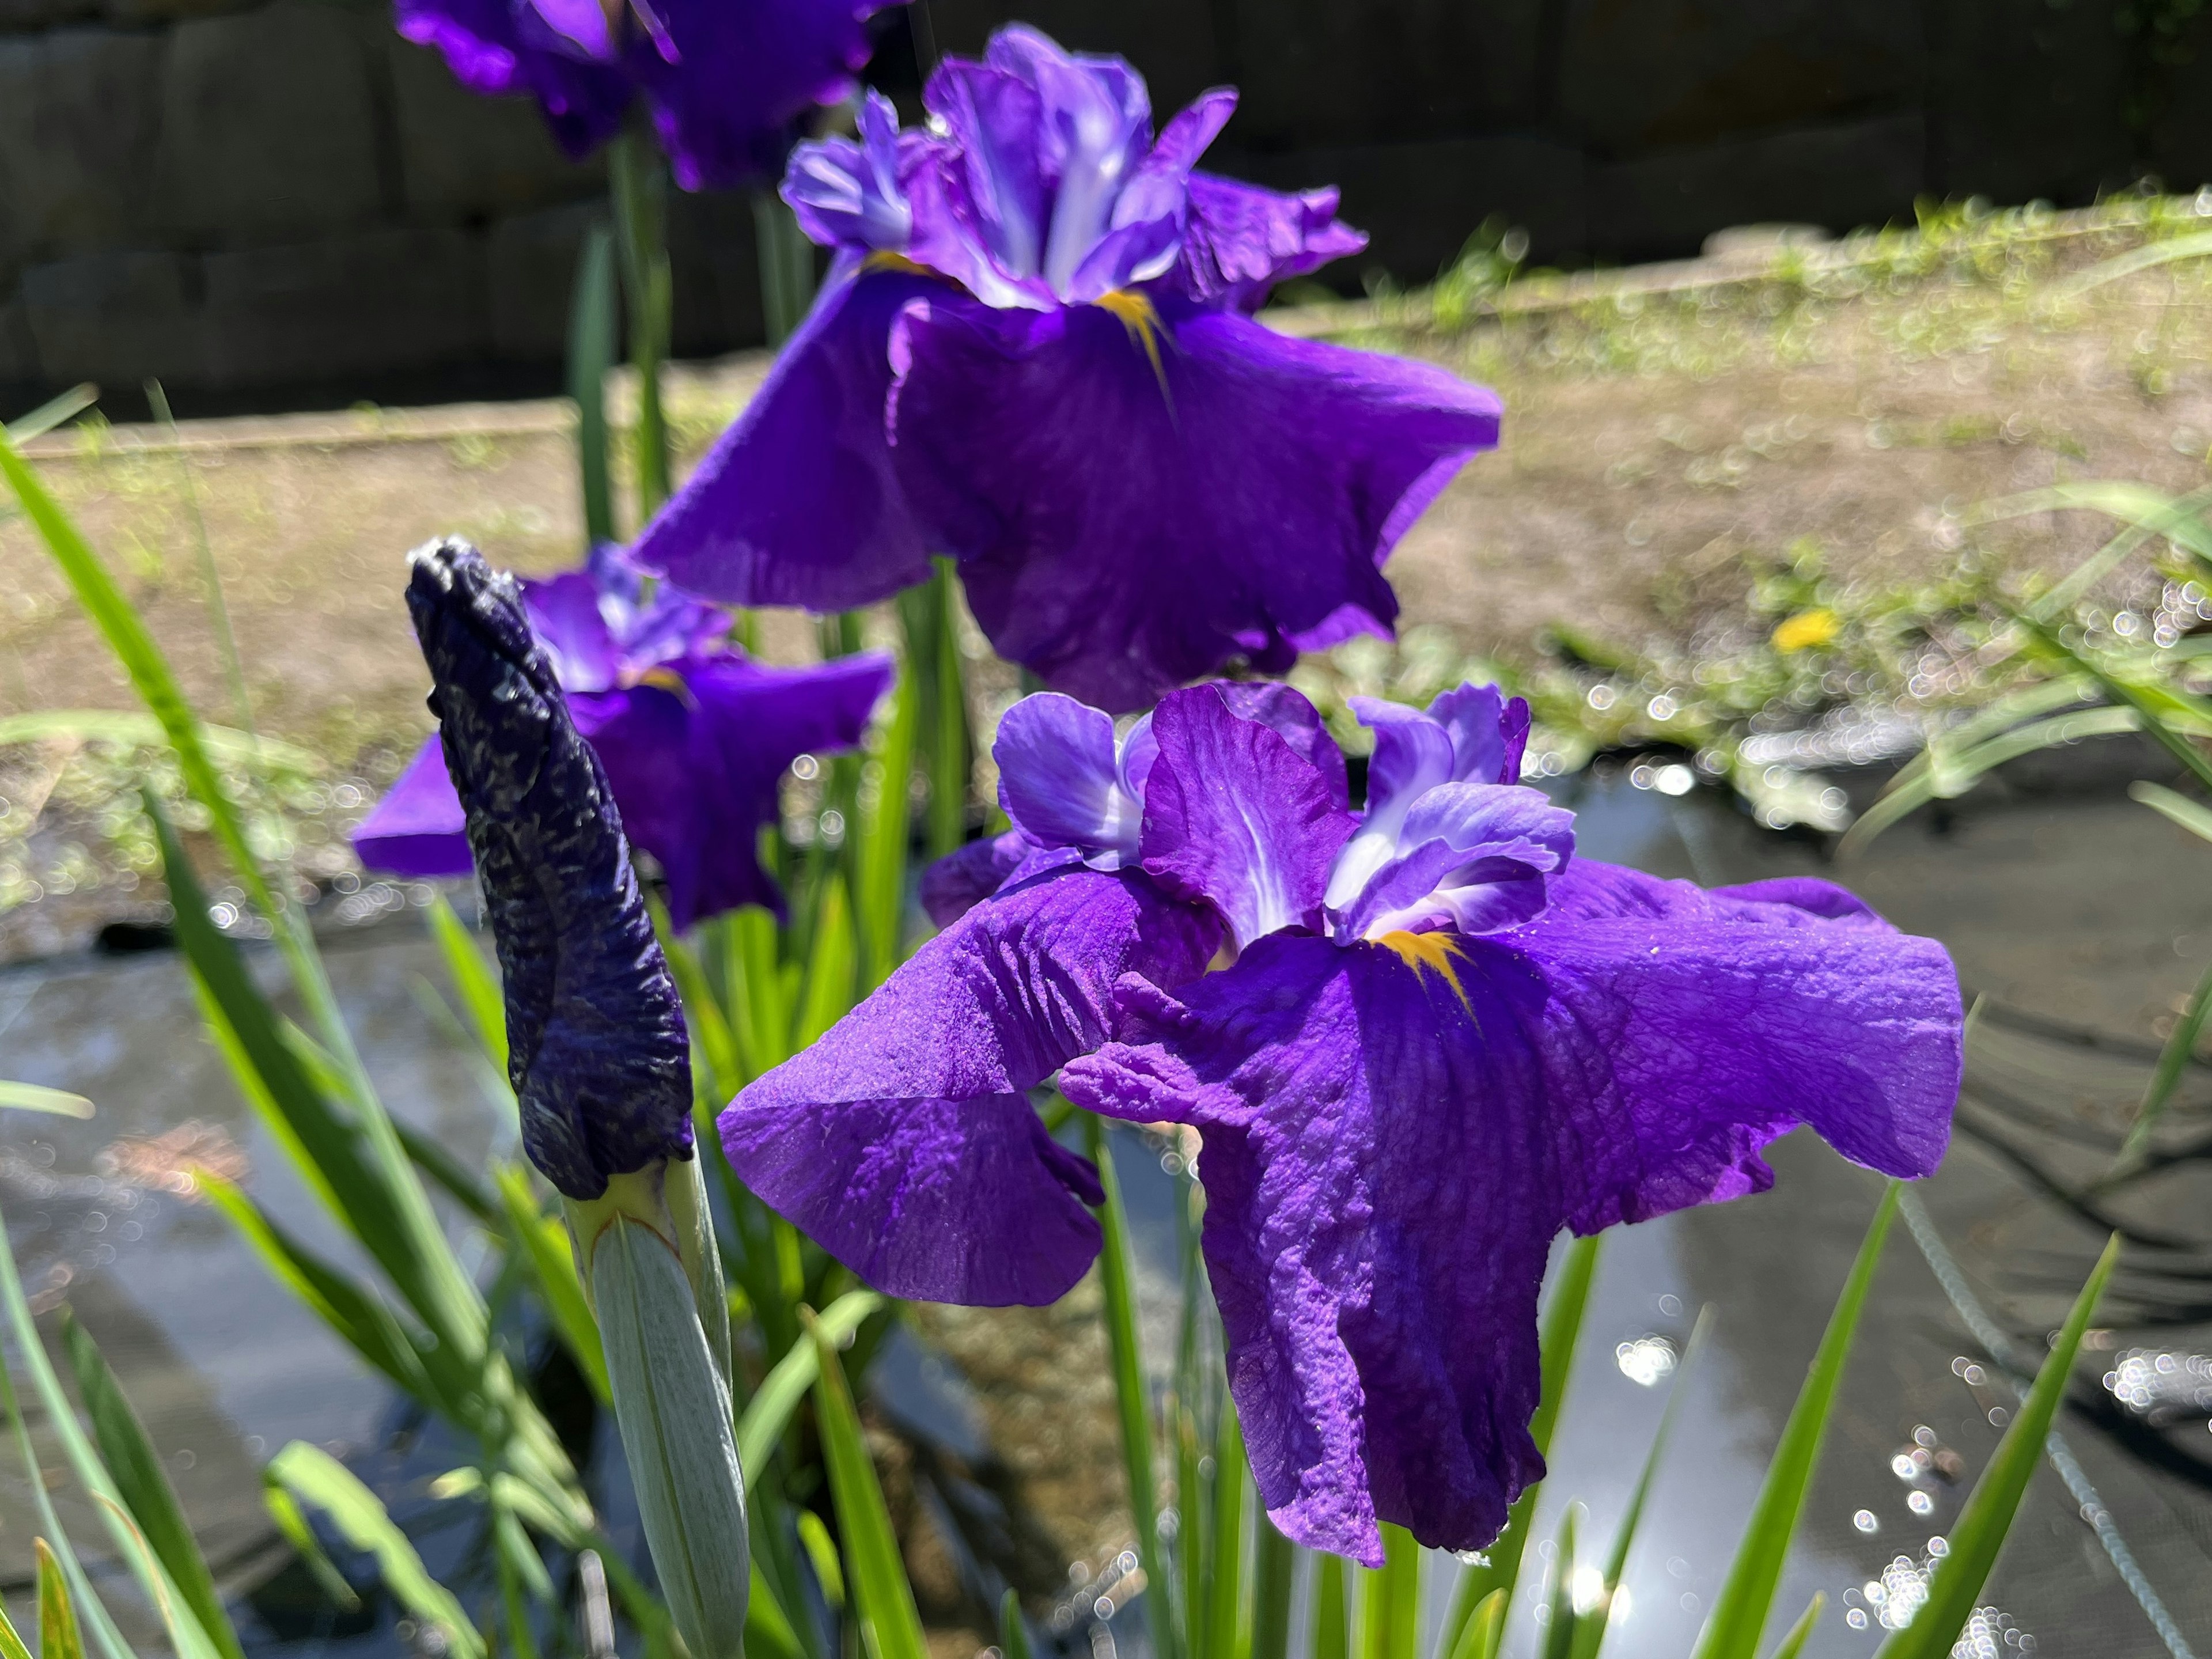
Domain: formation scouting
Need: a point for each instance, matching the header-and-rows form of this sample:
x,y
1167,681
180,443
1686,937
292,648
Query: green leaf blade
x,y
890,1626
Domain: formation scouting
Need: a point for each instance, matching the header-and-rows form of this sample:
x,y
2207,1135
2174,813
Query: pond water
x,y
2077,915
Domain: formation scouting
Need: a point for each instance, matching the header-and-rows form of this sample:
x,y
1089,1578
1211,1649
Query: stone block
x,y
463,157
269,125
19,352
1839,177
345,308
1419,203
140,14
76,141
2028,99
714,265
530,264
1637,77
1316,72
1172,42
118,318
22,16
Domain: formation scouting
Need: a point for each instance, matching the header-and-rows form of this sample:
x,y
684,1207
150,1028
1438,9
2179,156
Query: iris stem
x,y
641,202
1393,1598
1118,1277
786,266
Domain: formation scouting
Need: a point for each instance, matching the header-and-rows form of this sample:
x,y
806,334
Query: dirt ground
x,y
1666,428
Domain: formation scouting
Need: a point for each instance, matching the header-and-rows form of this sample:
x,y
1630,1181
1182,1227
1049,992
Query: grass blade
x,y
53,412
543,1243
1740,1614
590,355
1988,1515
832,964
59,1636
1563,1629
1591,1627
144,1487
891,1626
2192,816
1273,1558
1013,1629
284,1509
35,1097
770,1411
474,982
1563,1327
11,1645
1486,1629
2135,259
1225,1596
879,866
314,1476
1391,1604
1118,1280
1331,1621
2173,1061
1793,1644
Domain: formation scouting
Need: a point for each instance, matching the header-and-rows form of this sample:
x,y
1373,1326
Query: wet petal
x,y
417,830
1123,528
1390,1144
1233,816
902,1142
797,504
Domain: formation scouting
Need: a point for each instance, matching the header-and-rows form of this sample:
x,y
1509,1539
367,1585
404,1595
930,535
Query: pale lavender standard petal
x,y
852,194
1124,525
958,882
418,830
1234,817
1060,780
1240,239
800,503
1472,856
1391,1143
903,1142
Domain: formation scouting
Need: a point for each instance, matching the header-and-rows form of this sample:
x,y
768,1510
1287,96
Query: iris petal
x,y
1121,529
903,1141
1391,1142
417,830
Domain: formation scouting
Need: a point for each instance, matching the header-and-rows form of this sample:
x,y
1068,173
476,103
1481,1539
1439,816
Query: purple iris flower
x,y
694,735
1429,1039
726,81
597,1046
1036,352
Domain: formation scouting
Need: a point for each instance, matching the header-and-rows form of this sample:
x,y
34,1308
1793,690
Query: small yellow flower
x,y
1807,630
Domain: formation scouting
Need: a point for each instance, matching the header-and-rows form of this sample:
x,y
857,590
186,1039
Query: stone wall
x,y
284,203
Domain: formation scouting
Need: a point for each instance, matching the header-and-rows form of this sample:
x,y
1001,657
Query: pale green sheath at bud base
x,y
645,1250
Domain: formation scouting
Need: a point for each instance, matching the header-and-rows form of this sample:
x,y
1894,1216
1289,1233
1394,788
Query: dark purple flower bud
x,y
598,1051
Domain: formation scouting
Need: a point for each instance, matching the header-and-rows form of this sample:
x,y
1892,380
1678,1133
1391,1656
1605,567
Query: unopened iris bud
x,y
600,1062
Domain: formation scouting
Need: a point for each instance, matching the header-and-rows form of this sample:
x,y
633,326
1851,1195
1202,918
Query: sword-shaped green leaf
x,y
890,1627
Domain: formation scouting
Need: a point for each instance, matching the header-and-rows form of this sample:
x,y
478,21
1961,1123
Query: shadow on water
x,y
2079,918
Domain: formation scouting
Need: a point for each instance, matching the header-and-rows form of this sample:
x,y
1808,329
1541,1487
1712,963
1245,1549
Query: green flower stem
x,y
641,202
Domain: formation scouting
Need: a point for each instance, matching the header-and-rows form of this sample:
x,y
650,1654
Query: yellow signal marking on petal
x,y
1142,319
1439,951
882,259
668,680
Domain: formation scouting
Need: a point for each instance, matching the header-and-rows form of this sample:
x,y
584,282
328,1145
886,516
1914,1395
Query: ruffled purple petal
x,y
417,831
1123,528
1234,817
849,194
1390,1148
903,1141
1240,239
1489,732
1059,783
695,766
1146,234
1284,710
799,503
572,629
958,882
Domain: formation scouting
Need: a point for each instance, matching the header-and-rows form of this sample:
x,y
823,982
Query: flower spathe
x,y
726,81
1036,352
693,735
1439,1039
597,1048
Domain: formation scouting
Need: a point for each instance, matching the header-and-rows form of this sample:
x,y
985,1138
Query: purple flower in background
x,y
1431,1039
1036,352
725,80
693,735
598,1051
